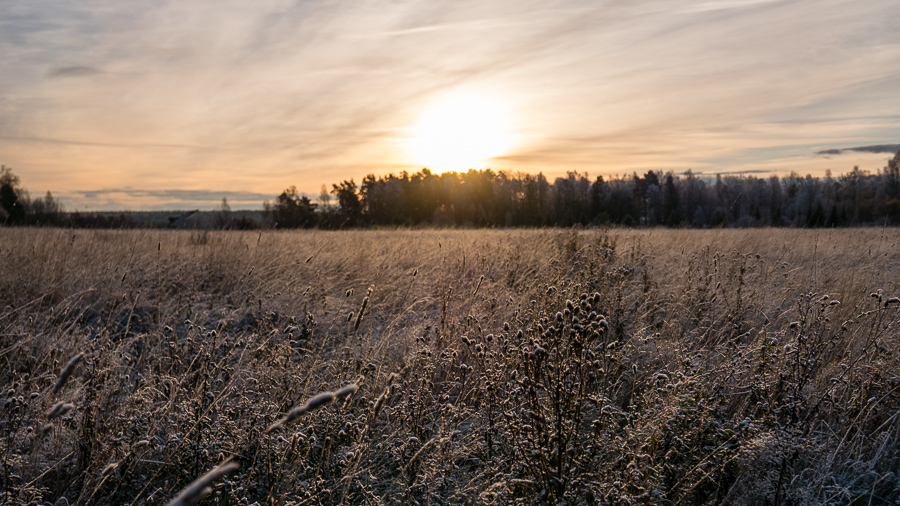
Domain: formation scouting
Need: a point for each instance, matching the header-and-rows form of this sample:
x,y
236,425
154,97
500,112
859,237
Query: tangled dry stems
x,y
676,367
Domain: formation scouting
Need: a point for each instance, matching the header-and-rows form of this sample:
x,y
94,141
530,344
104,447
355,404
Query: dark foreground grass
x,y
450,367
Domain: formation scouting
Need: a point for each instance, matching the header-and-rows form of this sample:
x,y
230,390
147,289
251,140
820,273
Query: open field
x,y
492,367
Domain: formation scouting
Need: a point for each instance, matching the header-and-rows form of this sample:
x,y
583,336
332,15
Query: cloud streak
x,y
75,71
111,199
880,148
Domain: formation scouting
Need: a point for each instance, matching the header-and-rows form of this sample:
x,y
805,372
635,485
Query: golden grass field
x,y
491,366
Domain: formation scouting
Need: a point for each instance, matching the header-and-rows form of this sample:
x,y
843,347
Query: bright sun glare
x,y
461,133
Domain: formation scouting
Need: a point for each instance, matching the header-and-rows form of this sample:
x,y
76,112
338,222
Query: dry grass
x,y
491,367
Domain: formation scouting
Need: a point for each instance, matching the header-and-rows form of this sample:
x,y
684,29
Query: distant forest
x,y
484,198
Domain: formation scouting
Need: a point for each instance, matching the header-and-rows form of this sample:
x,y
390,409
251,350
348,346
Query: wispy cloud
x,y
107,199
879,148
178,195
727,4
75,71
752,172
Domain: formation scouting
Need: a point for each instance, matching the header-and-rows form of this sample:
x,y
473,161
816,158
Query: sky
x,y
175,105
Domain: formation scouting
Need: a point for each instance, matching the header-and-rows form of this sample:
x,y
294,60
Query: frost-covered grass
x,y
648,367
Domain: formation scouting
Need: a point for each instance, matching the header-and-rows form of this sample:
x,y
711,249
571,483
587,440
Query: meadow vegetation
x,y
450,366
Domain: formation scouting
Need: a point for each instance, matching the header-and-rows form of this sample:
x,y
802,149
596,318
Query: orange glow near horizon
x,y
460,132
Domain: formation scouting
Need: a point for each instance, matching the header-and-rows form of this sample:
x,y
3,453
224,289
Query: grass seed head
x,y
200,488
362,310
66,372
314,403
59,410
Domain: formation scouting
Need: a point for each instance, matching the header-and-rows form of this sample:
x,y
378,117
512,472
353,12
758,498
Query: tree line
x,y
18,208
485,198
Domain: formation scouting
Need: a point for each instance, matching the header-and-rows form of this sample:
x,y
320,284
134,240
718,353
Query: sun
x,y
461,132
